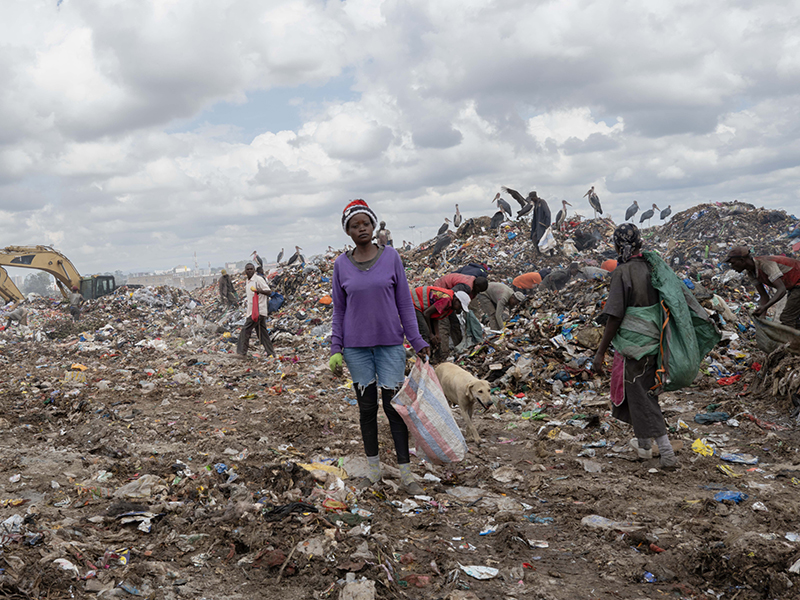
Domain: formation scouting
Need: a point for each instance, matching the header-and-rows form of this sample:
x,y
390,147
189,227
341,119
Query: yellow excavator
x,y
59,266
8,290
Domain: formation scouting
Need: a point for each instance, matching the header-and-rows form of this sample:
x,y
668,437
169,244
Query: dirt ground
x,y
227,512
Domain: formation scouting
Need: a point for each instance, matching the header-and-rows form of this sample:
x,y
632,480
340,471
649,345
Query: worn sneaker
x,y
366,482
413,489
645,454
670,463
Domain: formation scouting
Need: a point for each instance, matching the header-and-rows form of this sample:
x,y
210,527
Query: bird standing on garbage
x,y
445,226
594,201
562,214
280,256
457,218
504,206
647,215
632,210
442,242
257,258
666,212
297,255
497,219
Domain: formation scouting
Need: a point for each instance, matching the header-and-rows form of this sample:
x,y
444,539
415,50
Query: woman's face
x,y
360,229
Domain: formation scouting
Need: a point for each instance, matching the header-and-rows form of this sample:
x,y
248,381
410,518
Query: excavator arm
x,y
8,290
45,259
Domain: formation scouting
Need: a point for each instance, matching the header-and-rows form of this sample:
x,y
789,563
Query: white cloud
x,y
660,102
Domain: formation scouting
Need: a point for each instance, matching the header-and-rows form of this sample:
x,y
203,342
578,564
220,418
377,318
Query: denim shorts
x,y
384,364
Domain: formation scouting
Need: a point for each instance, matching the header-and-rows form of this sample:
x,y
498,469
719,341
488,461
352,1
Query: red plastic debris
x,y
654,548
729,380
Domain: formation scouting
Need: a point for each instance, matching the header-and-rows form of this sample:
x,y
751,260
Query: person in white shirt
x,y
257,293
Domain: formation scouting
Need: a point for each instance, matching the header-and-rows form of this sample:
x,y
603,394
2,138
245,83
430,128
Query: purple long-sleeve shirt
x,y
373,307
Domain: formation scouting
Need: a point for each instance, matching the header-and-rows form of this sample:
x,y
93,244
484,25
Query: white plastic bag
x,y
548,241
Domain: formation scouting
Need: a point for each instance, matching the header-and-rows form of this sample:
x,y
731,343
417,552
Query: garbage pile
x,y
138,458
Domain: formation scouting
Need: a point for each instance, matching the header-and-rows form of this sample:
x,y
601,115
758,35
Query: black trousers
x,y
368,417
261,333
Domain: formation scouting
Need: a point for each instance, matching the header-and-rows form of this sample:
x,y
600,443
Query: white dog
x,y
462,388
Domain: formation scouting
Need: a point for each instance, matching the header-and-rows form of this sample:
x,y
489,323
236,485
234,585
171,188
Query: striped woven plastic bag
x,y
424,408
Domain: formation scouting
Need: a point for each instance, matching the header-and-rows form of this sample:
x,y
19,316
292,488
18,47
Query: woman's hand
x,y
335,363
425,352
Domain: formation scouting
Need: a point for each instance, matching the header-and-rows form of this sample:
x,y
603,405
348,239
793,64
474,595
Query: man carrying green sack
x,y
660,335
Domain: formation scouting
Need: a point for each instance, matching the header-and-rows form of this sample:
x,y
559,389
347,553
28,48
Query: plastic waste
x,y
479,572
598,522
711,417
736,497
702,448
745,459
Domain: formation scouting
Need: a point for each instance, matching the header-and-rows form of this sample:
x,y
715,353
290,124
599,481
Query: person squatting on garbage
x,y
527,281
779,272
372,311
633,382
557,279
19,314
76,300
495,300
433,305
257,293
227,293
450,328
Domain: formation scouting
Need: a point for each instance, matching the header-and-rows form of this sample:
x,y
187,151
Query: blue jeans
x,y
371,367
384,364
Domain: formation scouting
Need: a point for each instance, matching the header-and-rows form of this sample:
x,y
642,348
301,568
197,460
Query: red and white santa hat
x,y
357,207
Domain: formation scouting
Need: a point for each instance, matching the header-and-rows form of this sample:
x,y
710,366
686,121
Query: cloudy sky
x,y
134,134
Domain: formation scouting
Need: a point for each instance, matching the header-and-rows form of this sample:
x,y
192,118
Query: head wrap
x,y
737,251
224,272
627,241
519,296
463,298
357,207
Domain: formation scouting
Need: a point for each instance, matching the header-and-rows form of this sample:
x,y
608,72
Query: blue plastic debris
x,y
732,496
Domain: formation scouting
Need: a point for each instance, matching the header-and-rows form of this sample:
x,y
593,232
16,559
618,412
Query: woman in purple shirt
x,y
372,312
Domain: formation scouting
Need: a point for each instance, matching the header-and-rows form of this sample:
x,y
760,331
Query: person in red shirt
x,y
434,304
779,272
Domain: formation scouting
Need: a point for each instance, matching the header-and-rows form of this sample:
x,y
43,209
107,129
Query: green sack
x,y
688,336
689,333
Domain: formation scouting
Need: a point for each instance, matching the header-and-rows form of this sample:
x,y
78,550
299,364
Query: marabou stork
x,y
594,201
526,204
457,218
647,215
445,226
442,242
497,219
666,212
297,255
632,210
280,256
562,214
504,206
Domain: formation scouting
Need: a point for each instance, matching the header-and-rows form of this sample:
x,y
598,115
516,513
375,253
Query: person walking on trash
x,y
372,311
779,272
257,293
76,301
227,293
633,382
